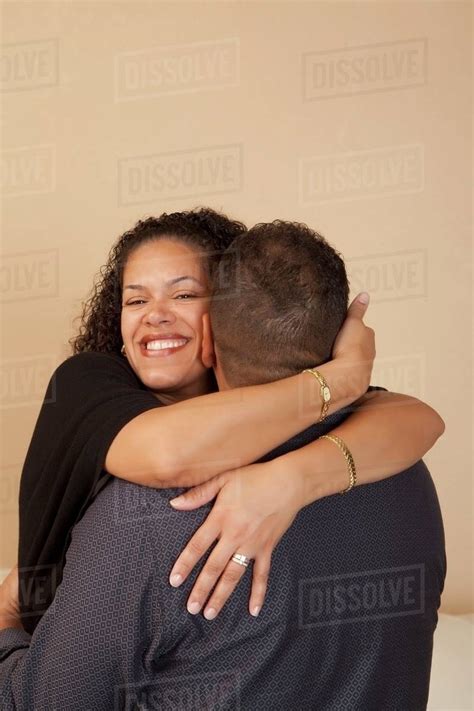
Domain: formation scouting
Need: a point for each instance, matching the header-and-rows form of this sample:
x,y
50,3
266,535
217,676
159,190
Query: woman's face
x,y
165,293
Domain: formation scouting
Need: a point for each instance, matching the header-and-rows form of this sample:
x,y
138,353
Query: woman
x,y
140,347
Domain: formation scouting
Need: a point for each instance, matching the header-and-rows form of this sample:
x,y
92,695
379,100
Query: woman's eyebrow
x,y
182,278
168,283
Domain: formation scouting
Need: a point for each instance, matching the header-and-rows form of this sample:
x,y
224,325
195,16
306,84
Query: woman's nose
x,y
159,313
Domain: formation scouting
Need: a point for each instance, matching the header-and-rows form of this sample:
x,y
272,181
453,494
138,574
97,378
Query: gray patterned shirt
x,y
348,621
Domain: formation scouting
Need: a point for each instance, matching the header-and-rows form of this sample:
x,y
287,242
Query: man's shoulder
x,y
120,503
118,533
124,514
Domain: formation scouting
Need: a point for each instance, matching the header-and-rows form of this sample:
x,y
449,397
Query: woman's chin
x,y
169,379
163,382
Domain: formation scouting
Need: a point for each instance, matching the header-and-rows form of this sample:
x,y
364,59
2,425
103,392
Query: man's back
x,y
347,623
352,580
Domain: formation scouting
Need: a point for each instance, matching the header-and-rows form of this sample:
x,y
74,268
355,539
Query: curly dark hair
x,y
211,232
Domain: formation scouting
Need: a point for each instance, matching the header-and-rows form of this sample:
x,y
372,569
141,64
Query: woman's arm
x,y
388,433
191,441
257,504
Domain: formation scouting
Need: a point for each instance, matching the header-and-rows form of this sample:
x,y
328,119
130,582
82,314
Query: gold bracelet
x,y
325,392
349,459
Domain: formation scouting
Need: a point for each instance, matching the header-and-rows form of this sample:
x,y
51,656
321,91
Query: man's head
x,y
284,300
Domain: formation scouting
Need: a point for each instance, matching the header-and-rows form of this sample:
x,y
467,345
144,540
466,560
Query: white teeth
x,y
161,345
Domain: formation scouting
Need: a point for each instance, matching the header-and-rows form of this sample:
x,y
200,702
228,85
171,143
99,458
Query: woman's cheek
x,y
129,326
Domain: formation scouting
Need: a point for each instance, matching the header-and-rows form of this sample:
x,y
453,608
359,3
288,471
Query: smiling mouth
x,y
163,346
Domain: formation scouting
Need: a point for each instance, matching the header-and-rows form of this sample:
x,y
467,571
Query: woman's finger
x,y
359,305
201,541
224,589
209,575
261,571
198,495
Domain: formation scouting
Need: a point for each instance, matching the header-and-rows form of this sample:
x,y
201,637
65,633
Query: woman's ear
x,y
207,353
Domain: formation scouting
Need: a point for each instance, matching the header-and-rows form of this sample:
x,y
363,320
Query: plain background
x,y
352,117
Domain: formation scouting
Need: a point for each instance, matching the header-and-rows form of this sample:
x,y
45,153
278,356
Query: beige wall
x,y
237,105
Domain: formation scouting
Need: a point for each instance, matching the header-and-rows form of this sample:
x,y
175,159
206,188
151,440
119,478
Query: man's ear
x,y
207,353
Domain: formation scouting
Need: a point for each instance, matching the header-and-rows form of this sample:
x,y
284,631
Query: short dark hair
x,y
283,302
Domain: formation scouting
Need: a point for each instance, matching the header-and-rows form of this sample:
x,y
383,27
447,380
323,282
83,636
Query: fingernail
x,y
177,501
194,607
255,610
176,580
210,613
364,298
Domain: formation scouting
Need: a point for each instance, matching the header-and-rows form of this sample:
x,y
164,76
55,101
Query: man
x,y
355,585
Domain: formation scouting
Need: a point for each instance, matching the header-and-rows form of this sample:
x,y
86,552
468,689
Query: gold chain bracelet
x,y
348,457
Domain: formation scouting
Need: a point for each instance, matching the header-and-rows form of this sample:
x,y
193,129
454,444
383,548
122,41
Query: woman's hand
x,y
255,506
9,604
355,345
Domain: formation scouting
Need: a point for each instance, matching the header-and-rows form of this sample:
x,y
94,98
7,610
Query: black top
x,y
89,398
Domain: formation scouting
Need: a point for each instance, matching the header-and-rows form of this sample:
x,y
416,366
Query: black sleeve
x,y
89,398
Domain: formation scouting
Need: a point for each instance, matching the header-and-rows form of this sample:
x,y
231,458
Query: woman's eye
x,y
181,297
